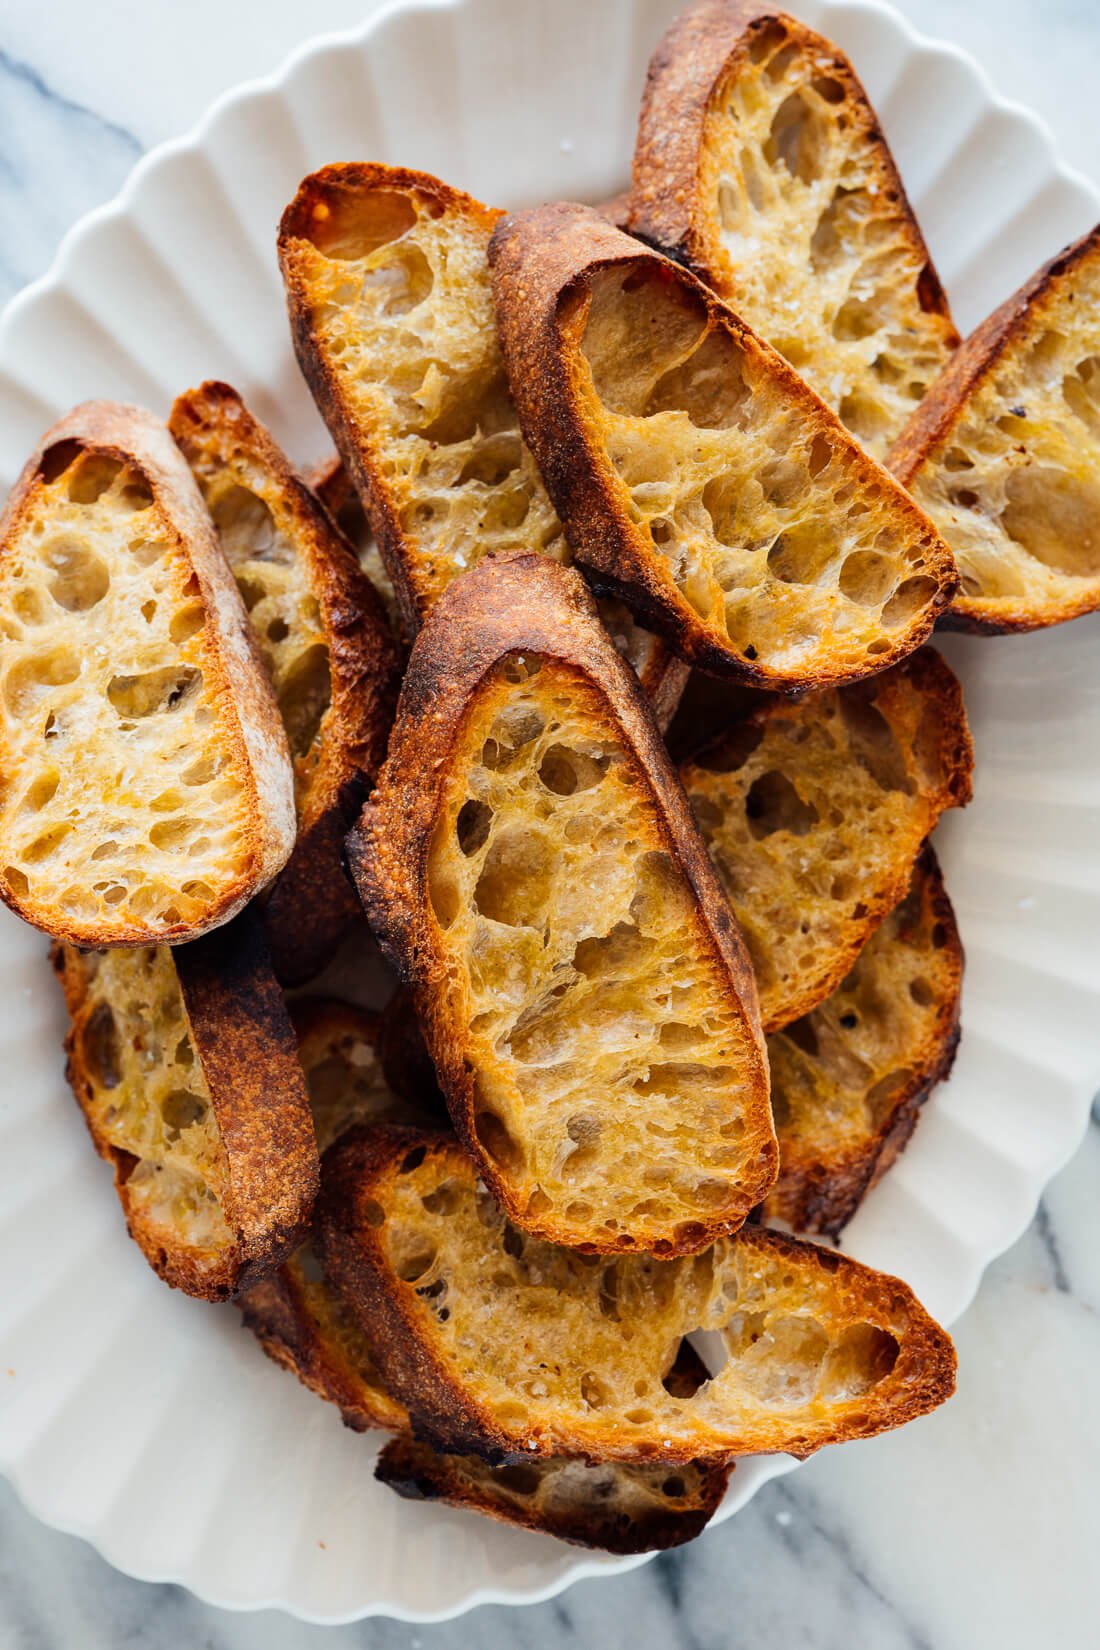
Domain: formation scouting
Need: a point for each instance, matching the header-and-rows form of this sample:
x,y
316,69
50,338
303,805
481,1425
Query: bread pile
x,y
250,725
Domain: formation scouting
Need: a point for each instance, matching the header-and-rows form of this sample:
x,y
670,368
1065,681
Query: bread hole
x,y
412,1160
29,682
40,792
472,826
57,459
516,877
154,692
781,62
146,551
80,579
963,497
773,804
169,834
709,386
860,1357
92,476
372,1212
776,1356
874,743
492,461
399,280
495,1140
1055,516
731,751
538,1204
16,881
46,845
638,1417
148,611
246,527
182,1110
1081,392
799,554
184,1054
519,668
135,493
921,992
444,1200
593,1391
198,891
686,1373
413,1258
829,89
910,597
582,1212
955,459
113,894
304,697
564,771
674,1488
200,772
641,323
803,1034
351,223
866,577
882,1096
471,415
184,624
518,1478
796,138
878,647
277,631
764,38
99,1045
855,319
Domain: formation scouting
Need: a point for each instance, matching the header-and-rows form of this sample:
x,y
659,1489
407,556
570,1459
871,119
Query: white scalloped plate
x,y
151,1424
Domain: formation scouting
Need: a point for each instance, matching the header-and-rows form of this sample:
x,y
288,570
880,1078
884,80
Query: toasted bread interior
x,y
125,814
814,813
581,1355
614,1077
817,249
338,1046
1014,483
783,543
146,1096
257,532
850,1074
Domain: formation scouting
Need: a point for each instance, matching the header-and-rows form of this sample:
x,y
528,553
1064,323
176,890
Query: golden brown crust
x,y
612,1507
709,51
861,775
248,731
512,606
545,265
945,406
823,1180
312,904
904,1362
244,1046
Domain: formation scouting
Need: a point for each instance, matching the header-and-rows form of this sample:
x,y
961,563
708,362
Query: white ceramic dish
x,y
151,1424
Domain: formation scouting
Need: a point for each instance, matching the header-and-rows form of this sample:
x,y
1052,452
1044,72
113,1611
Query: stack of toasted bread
x,y
518,1218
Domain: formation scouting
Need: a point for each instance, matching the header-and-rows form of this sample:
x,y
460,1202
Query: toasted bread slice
x,y
760,165
819,1349
145,786
815,812
387,280
530,866
332,485
849,1078
1004,453
323,635
610,1505
699,479
183,1062
300,1323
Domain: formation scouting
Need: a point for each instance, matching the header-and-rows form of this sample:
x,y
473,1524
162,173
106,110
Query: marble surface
x,y
976,1527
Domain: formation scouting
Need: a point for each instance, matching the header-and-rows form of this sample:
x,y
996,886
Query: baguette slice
x,y
699,479
760,164
530,866
300,1323
848,1079
183,1062
1004,453
614,1506
388,285
145,786
814,813
508,1345
324,638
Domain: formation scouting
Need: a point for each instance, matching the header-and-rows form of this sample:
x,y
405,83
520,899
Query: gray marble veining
x,y
975,1528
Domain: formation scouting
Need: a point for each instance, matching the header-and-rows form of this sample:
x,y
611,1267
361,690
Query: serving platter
x,y
151,1424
